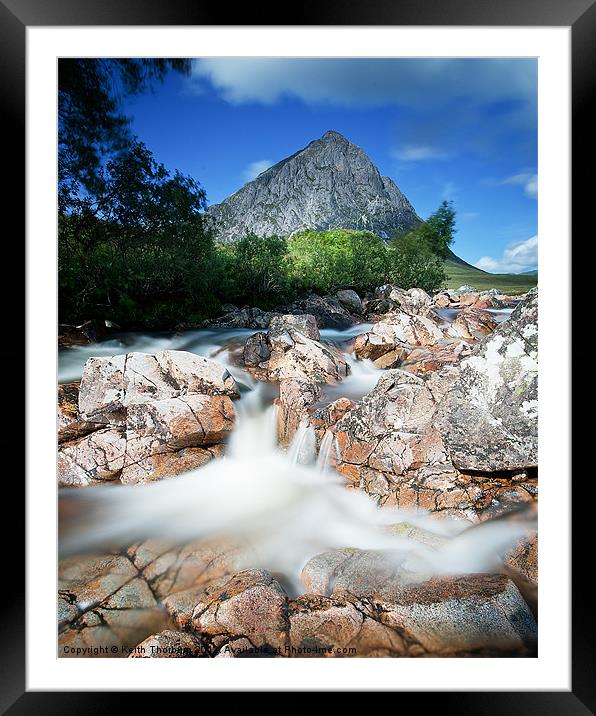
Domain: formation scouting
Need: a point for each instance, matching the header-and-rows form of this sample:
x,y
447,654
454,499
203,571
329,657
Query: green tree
x,y
412,264
439,229
324,261
138,250
254,270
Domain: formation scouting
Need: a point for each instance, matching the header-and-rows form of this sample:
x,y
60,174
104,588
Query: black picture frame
x,y
17,15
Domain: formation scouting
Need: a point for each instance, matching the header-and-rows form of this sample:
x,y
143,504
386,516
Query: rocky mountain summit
x,y
329,184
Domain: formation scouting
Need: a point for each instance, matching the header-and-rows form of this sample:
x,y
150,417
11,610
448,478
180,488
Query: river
x,y
287,504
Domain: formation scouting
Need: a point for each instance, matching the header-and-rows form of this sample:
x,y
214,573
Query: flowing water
x,y
284,505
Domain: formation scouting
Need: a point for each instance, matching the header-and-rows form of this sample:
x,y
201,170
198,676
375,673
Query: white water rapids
x,y
285,506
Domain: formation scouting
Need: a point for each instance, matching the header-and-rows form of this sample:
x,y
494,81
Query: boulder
x,y
304,324
489,417
328,311
326,627
70,424
442,490
433,358
110,385
326,417
523,558
172,569
472,615
372,346
297,396
256,350
104,603
441,300
350,300
404,328
148,460
389,430
391,359
440,381
191,373
191,420
97,457
299,362
472,324
306,359
102,390
161,415
167,437
249,604
390,299
487,300
466,299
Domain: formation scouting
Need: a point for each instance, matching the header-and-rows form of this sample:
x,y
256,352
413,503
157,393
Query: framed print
x,y
286,286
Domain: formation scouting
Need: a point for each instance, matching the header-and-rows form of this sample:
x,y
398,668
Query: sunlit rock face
x,y
329,184
472,324
390,298
115,600
110,385
489,417
150,417
356,606
478,615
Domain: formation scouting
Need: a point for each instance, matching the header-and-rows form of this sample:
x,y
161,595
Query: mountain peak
x,y
333,136
330,184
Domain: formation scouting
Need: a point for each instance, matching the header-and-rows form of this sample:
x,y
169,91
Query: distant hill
x,y
459,272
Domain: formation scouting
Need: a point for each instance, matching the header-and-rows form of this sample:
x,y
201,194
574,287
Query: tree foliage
x,y
416,257
91,125
254,270
324,261
138,250
436,234
413,265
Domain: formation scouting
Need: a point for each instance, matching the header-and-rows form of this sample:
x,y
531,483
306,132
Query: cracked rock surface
x,y
117,599
356,606
472,615
294,357
151,417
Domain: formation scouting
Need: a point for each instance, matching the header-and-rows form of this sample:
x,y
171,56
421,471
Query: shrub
x,y
413,264
254,270
324,261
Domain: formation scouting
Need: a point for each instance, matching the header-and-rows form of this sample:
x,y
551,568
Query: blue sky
x,y
460,129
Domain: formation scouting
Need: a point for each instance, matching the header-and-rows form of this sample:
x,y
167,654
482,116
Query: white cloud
x,y
418,153
528,180
519,256
253,170
365,82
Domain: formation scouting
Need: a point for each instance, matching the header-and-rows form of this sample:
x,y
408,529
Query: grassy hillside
x,y
459,272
